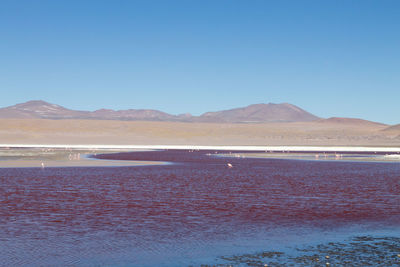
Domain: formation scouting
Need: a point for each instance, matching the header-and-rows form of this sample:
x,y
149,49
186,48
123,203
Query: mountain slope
x,y
350,121
132,114
393,128
261,113
39,109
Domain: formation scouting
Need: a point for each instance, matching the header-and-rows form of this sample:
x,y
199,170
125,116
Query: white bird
x,y
42,165
229,165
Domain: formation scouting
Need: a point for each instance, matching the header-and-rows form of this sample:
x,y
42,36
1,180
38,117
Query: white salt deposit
x,y
232,148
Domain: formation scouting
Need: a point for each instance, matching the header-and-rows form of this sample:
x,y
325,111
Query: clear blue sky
x,y
332,58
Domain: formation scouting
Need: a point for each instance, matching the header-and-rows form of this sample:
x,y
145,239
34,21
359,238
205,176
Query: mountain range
x,y
256,113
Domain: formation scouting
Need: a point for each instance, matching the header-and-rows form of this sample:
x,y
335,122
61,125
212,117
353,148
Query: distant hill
x,y
261,113
38,109
393,128
350,121
257,113
132,114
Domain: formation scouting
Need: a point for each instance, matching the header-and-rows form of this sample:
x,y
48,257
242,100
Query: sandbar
x,y
56,157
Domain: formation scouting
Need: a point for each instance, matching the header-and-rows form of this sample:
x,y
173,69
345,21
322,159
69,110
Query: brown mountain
x,y
394,128
39,109
350,121
261,113
132,114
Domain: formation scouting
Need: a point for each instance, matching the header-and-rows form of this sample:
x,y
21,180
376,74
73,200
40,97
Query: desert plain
x,y
39,132
110,132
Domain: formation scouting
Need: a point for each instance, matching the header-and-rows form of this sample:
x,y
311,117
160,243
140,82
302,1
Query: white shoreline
x,y
231,148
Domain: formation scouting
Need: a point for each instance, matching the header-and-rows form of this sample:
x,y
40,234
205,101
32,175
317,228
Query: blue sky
x,y
332,58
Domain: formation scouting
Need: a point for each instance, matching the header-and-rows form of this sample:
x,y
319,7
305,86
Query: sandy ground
x,y
43,158
32,131
139,133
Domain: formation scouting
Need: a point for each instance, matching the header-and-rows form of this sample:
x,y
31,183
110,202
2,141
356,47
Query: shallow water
x,y
190,212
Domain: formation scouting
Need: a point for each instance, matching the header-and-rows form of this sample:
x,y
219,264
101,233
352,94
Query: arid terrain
x,y
39,109
40,122
39,157
322,132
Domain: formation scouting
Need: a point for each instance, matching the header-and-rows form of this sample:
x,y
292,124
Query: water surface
x,y
190,212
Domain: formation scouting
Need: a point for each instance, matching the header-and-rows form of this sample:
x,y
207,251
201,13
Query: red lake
x,y
191,211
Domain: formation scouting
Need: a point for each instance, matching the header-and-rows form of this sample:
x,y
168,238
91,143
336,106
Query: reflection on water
x,y
189,212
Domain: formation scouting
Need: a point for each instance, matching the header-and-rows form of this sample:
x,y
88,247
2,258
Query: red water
x,y
171,214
